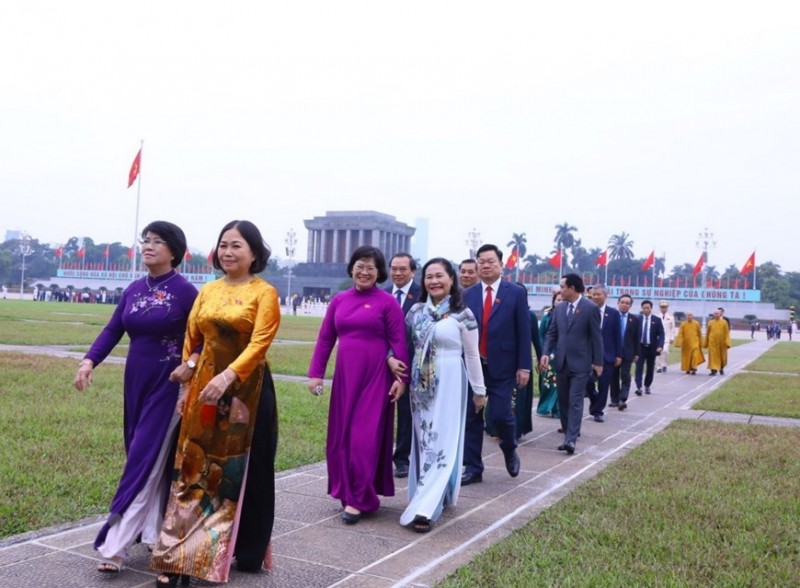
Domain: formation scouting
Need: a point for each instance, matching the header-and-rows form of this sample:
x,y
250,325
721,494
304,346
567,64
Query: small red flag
x,y
602,260
555,261
105,254
698,267
651,259
130,252
749,265
210,257
188,255
512,259
135,167
81,253
59,252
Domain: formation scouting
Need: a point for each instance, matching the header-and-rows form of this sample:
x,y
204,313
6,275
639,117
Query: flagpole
x,y
560,261
653,286
136,221
605,281
755,269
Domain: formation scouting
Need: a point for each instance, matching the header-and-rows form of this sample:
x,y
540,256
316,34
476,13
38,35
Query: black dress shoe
x,y
713,373
350,518
470,478
562,447
647,390
623,405
721,372
512,464
598,418
401,471
569,447
638,392
613,405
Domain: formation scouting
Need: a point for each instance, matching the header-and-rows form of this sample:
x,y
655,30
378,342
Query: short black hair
x,y
373,253
626,296
470,260
412,263
646,301
172,235
455,291
720,309
490,247
252,235
574,281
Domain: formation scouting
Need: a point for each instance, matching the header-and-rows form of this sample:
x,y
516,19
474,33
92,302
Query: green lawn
x,y
701,504
774,392
781,358
61,451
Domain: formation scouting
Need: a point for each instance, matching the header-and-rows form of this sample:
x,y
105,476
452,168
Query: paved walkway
x,y
313,548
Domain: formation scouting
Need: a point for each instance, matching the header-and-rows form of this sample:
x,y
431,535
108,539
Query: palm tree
x,y
620,246
518,240
531,261
564,237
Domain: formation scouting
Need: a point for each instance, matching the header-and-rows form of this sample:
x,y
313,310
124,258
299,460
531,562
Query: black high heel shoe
x,y
172,579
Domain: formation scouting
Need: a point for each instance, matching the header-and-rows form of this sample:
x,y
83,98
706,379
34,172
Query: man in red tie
x,y
501,309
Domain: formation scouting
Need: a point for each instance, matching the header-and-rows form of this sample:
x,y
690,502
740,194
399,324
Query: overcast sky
x,y
658,119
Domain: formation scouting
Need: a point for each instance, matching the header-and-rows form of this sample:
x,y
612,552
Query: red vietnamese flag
x,y
210,257
105,253
512,259
698,267
188,255
81,253
555,261
135,167
602,260
749,265
130,252
651,259
59,252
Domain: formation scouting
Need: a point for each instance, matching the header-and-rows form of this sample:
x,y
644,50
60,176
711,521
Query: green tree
x,y
564,237
620,246
776,290
531,261
519,241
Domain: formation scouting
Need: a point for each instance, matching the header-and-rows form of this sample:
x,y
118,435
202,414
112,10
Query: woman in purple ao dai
x,y
369,326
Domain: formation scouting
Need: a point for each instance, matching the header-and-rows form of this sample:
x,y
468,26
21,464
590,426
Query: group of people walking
x,y
204,498
196,365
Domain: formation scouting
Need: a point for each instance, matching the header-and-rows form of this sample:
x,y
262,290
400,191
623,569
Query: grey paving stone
x,y
20,553
342,548
66,570
72,538
290,482
305,509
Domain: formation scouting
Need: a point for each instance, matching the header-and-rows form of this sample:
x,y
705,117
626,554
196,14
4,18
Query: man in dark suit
x,y
631,348
504,330
612,352
575,339
403,267
651,339
468,273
